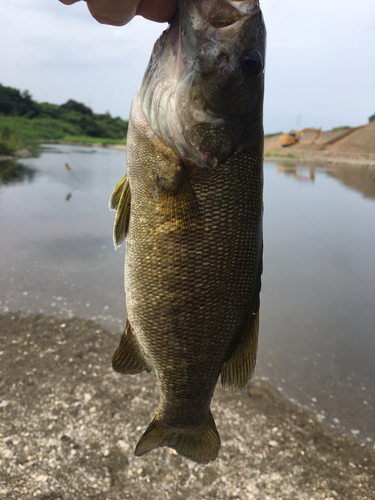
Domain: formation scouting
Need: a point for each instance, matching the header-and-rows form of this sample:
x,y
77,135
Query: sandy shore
x,y
341,148
69,425
323,159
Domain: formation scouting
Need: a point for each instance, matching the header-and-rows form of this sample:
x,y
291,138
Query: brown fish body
x,y
192,278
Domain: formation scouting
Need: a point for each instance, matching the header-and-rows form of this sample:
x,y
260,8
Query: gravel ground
x,y
68,426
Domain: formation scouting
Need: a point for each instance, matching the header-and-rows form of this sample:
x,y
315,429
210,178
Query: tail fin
x,y
200,444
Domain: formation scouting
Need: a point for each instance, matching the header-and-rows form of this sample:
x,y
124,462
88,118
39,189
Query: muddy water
x,y
317,339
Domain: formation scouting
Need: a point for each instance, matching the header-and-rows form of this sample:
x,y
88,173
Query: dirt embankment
x,y
69,424
353,147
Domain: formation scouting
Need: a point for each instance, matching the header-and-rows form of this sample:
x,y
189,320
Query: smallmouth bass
x,y
190,208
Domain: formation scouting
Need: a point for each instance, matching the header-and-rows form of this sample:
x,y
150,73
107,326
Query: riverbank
x,y
348,148
28,153
69,425
18,155
339,148
120,147
324,159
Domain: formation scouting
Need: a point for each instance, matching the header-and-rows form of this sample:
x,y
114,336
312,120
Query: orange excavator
x,y
294,137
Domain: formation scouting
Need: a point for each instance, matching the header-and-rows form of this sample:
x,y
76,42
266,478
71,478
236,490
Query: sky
x,y
320,62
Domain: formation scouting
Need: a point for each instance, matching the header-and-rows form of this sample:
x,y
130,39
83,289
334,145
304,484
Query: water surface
x,y
317,335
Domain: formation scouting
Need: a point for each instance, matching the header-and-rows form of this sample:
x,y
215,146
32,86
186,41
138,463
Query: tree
x,y
15,103
72,105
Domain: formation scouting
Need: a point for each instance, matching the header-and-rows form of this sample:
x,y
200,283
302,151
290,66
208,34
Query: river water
x,y
317,333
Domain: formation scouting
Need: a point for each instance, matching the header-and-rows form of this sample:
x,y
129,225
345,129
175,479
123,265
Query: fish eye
x,y
252,63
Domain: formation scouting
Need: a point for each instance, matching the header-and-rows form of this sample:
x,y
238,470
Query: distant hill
x,y
33,120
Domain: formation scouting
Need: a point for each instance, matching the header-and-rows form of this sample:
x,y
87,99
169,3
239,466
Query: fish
x,y
190,208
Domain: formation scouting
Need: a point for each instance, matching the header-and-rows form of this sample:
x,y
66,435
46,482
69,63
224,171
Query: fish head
x,y
203,90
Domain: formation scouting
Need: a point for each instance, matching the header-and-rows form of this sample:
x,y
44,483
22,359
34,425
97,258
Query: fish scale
x,y
193,265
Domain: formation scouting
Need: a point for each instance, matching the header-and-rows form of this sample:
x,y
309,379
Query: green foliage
x,y
9,141
371,118
15,103
345,127
277,155
72,105
48,110
73,118
38,129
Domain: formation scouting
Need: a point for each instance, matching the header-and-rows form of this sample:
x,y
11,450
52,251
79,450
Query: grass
x,y
27,132
345,127
9,141
271,155
38,129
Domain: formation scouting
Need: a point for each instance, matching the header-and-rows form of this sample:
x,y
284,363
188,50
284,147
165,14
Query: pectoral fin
x,y
120,201
178,202
128,358
239,368
117,192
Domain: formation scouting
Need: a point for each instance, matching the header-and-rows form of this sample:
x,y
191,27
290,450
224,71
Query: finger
x,y
69,2
115,12
120,12
157,10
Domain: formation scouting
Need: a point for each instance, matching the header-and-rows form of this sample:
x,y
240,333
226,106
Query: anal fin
x,y
128,358
199,444
239,368
120,201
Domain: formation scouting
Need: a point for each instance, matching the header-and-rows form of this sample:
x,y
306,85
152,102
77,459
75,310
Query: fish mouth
x,y
213,18
226,12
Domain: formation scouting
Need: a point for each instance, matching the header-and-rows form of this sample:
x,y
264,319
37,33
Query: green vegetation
x,y
29,120
272,135
371,118
9,141
37,129
271,155
344,127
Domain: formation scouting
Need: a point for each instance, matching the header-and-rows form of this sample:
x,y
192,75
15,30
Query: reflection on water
x,y
11,172
298,174
362,180
317,341
359,179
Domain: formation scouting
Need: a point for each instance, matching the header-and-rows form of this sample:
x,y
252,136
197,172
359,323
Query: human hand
x,y
120,12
